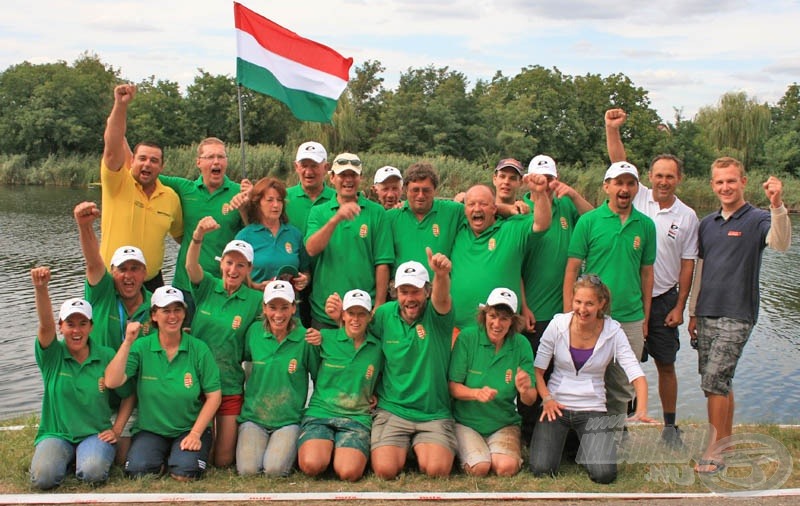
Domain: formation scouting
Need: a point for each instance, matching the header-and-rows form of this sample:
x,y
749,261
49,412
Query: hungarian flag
x,y
305,75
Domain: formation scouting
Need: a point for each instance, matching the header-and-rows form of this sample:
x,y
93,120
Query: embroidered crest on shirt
x,y
362,232
145,329
421,331
370,372
637,242
492,244
288,247
101,384
435,229
734,233
187,380
292,366
508,376
563,222
237,322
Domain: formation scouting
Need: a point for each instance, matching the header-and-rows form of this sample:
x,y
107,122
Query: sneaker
x,y
671,436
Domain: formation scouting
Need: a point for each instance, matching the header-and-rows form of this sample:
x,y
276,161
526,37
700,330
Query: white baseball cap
x,y
73,306
166,295
242,247
411,273
619,168
357,298
125,253
544,165
504,296
386,172
312,151
278,289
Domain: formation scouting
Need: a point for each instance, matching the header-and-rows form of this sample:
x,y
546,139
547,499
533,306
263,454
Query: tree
x,y
158,114
211,107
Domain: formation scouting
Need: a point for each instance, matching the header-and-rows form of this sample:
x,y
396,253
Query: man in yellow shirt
x,y
137,209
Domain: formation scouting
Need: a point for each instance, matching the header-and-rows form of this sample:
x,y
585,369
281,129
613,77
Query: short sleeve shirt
x,y
476,364
271,252
299,204
416,356
355,249
616,252
170,391
110,316
197,203
221,321
347,377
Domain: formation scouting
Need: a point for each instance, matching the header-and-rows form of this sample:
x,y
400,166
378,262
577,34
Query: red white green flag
x,y
305,75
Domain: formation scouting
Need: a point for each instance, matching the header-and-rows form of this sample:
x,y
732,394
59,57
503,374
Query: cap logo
x,y
542,162
78,303
171,291
505,294
129,250
409,270
311,147
357,294
278,286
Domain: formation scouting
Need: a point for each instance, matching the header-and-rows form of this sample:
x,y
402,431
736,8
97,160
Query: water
x,y
37,228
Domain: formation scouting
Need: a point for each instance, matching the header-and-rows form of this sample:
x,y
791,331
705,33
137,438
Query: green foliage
x,y
157,114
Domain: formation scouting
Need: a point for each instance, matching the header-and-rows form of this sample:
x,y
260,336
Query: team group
x,y
458,329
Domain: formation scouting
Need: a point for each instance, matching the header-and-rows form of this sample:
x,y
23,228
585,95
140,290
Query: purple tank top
x,y
579,356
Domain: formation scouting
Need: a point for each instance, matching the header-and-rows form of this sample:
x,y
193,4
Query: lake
x,y
37,228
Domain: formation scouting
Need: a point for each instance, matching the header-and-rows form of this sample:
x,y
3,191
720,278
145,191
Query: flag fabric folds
x,y
305,75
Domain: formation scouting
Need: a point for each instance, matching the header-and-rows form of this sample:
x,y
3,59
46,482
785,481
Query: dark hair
x,y
666,156
420,171
153,310
594,282
149,144
259,190
517,321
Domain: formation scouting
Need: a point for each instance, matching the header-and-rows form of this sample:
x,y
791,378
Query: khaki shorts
x,y
473,448
391,430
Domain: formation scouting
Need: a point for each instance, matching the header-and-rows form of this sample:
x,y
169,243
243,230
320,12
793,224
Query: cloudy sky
x,y
686,53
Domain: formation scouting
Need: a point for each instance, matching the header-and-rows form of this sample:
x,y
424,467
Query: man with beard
x,y
488,252
137,209
413,396
676,252
350,240
618,243
423,220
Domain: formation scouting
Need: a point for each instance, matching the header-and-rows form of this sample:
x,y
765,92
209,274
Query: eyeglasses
x,y
213,157
345,161
591,278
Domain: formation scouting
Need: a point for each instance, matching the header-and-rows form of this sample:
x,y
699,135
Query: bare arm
x,y
319,240
570,277
675,316
779,237
116,152
192,441
615,118
85,213
440,292
381,284
193,268
115,370
542,203
464,393
646,273
562,189
40,277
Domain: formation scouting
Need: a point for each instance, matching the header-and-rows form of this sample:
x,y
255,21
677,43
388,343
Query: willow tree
x,y
737,126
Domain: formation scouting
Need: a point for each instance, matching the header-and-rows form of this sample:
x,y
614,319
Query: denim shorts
x,y
344,432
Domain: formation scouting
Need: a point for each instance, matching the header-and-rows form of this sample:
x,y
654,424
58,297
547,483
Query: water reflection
x,y
36,228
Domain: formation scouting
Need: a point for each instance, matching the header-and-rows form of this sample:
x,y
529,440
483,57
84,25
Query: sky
x,y
686,53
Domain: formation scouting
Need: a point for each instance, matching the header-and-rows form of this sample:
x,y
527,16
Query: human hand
x,y
773,188
40,276
641,416
333,306
522,207
561,189
674,317
615,118
204,226
459,197
551,410
485,394
191,443
132,331
529,317
313,337
439,263
86,212
300,282
537,183
348,211
108,436
522,381
124,93
692,328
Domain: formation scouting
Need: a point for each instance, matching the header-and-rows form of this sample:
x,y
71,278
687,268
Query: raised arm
x,y
319,240
115,370
561,189
193,268
440,294
779,237
85,213
570,277
116,151
615,118
40,277
542,203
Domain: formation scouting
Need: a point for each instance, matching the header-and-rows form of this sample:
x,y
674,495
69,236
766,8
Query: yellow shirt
x,y
130,218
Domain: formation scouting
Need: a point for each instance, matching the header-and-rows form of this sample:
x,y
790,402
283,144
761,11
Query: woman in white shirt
x,y
581,344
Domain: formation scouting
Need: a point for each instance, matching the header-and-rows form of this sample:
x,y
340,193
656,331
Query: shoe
x,y
671,436
719,466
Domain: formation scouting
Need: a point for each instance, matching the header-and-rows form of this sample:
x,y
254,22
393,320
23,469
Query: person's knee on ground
x,y
505,465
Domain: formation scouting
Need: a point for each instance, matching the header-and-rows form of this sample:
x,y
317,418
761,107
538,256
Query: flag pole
x,y
241,129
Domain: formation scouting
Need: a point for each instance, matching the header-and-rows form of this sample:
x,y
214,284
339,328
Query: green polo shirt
x,y
197,203
616,252
76,403
277,388
109,315
546,259
491,260
476,364
221,321
436,230
298,204
355,249
416,356
347,377
170,391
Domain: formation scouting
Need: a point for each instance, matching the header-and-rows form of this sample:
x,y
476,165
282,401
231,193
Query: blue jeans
x,y
272,452
53,457
149,451
597,452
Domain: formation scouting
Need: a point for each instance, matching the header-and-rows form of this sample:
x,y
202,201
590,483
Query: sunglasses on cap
x,y
345,161
591,278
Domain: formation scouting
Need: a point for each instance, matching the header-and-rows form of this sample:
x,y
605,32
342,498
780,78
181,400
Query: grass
x,y
16,450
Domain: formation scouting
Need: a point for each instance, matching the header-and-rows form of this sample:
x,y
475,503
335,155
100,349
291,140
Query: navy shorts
x,y
662,341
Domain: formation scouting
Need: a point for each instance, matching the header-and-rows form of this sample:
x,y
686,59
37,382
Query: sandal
x,y
718,466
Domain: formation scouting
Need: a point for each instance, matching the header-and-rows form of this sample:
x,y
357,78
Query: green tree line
x,y
50,112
